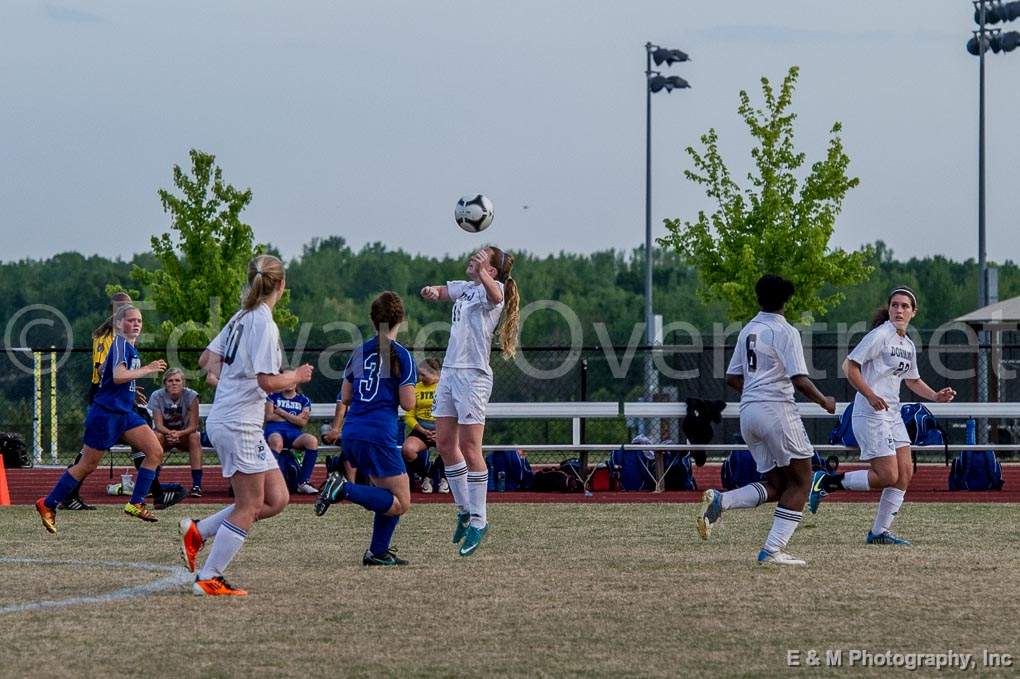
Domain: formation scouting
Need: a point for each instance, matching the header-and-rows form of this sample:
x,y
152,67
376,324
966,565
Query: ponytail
x,y
387,312
116,301
880,316
508,332
265,273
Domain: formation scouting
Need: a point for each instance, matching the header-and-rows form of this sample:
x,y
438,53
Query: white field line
x,y
177,577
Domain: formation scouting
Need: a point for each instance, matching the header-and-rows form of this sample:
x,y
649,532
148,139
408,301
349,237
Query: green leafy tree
x,y
201,264
778,224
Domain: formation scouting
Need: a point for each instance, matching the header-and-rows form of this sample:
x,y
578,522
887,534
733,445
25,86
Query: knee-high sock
x,y
371,498
196,477
228,542
456,475
856,480
62,490
382,532
783,525
142,485
308,465
208,526
76,491
478,486
888,506
745,497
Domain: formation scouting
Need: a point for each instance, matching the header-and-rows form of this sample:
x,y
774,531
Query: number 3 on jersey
x,y
369,384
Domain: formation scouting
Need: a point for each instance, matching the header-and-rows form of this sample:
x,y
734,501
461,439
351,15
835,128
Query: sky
x,y
369,119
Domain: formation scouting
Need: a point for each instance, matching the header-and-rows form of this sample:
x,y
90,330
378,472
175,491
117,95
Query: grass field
x,y
556,590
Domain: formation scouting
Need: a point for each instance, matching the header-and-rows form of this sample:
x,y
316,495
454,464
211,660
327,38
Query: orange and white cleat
x,y
216,587
191,542
140,511
48,516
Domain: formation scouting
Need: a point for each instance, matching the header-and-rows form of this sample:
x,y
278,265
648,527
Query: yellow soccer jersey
x,y
422,413
100,348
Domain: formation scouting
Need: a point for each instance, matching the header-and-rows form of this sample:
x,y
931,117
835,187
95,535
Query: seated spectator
x,y
287,413
421,425
174,411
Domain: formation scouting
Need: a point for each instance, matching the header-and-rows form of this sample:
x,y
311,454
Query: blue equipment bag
x,y
631,470
923,428
739,469
508,471
975,469
678,474
843,432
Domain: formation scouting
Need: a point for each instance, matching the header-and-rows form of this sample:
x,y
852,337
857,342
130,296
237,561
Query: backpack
x,y
566,479
678,474
515,470
291,469
843,433
923,428
14,450
739,469
975,469
630,470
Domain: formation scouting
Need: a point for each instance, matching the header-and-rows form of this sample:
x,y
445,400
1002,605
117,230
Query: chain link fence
x,y
31,401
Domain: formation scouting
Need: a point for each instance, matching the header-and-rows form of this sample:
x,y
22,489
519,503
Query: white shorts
x,y
462,393
879,436
241,448
774,433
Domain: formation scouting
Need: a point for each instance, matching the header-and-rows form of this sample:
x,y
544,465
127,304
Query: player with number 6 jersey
x,y
884,359
767,365
244,364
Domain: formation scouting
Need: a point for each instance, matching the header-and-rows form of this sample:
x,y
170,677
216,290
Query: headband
x,y
904,291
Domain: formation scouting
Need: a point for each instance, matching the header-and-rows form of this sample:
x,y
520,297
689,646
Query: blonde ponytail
x,y
503,263
264,275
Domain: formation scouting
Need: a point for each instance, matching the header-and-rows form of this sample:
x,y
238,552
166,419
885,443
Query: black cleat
x,y
390,558
168,498
75,503
332,491
196,491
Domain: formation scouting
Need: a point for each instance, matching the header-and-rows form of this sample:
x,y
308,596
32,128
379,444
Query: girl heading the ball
x,y
884,359
479,303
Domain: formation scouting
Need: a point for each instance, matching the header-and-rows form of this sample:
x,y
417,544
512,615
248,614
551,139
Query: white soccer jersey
x,y
768,355
473,323
249,345
886,358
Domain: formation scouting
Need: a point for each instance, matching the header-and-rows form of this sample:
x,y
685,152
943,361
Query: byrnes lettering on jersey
x,y
886,359
768,355
294,406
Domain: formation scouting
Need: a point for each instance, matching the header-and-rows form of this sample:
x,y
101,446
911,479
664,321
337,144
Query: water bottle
x,y
970,437
127,484
501,482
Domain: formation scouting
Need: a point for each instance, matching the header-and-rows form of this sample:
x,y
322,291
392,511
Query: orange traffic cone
x,y
5,495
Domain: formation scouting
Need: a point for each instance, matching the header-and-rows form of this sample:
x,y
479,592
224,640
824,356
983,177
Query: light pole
x,y
654,82
985,39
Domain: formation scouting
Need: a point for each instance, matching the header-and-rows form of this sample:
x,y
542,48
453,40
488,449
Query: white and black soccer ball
x,y
473,213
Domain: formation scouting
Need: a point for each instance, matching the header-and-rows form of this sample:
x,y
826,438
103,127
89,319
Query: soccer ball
x,y
473,213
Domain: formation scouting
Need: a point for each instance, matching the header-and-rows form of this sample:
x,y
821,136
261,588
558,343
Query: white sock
x,y
745,497
478,486
208,526
783,525
857,480
228,542
456,476
888,505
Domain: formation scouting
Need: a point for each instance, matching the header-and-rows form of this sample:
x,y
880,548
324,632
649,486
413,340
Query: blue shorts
x,y
373,459
103,428
288,432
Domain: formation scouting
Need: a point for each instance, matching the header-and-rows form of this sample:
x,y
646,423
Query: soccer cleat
x,y
196,491
463,520
780,558
140,511
711,512
191,542
426,485
389,558
216,587
444,486
886,538
168,498
48,516
472,539
307,489
332,491
817,491
75,503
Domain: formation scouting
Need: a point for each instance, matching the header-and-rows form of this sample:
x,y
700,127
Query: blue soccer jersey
x,y
291,406
118,398
372,415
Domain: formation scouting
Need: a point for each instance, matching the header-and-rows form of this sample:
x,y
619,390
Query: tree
x,y
202,263
778,225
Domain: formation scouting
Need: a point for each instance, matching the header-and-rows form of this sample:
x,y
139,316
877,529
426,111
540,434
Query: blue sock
x,y
196,477
382,533
371,498
308,465
65,486
142,485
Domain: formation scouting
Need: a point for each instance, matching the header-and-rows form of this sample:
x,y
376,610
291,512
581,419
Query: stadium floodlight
x,y
654,82
998,12
1002,42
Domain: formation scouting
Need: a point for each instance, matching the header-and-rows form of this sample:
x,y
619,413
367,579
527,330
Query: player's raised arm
x,y
435,293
